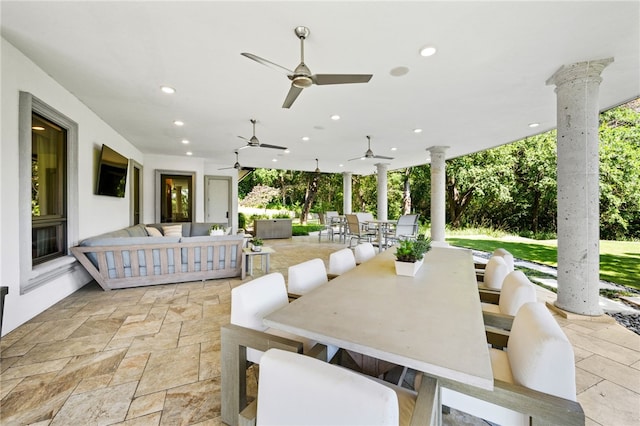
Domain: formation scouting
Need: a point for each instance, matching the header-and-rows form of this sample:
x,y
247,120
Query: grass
x,y
619,260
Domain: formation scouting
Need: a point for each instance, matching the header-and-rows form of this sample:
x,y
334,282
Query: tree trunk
x,y
457,203
406,192
309,197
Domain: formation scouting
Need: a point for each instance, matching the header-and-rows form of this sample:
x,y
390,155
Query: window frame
x,y
34,276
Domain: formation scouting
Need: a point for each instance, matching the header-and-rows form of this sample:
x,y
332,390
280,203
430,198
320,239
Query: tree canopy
x,y
512,187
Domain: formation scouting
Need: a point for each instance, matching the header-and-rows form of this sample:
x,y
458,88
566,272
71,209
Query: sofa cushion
x,y
137,231
153,232
172,230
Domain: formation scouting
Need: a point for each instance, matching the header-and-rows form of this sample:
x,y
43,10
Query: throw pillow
x,y
172,230
153,232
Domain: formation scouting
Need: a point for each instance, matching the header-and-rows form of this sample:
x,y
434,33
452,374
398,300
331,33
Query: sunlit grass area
x,y
619,260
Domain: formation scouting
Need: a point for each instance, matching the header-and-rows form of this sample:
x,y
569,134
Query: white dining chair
x,y
516,291
295,389
508,257
405,229
252,301
305,276
341,261
364,252
494,273
538,357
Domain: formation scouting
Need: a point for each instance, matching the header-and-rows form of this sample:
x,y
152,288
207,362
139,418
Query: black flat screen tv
x,y
112,173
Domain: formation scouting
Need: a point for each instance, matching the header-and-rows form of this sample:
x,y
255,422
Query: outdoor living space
x,y
151,355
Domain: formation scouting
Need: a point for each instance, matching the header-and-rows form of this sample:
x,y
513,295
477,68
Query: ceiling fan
x,y
236,166
301,77
255,143
369,153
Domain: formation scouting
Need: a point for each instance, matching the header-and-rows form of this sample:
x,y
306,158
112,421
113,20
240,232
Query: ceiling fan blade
x,y
291,96
266,62
226,168
357,158
265,145
383,157
321,79
244,147
244,139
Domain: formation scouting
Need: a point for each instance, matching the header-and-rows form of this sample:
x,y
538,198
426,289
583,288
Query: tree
x,y
486,175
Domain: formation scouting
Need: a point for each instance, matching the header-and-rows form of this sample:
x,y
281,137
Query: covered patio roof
x,y
484,86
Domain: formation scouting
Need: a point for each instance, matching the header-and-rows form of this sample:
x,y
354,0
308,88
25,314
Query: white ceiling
x,y
483,87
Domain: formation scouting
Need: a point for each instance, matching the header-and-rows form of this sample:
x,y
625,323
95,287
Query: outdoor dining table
x,y
431,322
382,227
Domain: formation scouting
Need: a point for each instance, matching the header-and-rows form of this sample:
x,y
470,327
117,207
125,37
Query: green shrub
x,y
242,220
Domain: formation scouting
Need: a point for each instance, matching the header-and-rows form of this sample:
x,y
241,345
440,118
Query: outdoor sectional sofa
x,y
136,256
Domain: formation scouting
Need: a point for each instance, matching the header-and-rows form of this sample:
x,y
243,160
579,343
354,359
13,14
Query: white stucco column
x,y
382,191
576,90
346,191
438,194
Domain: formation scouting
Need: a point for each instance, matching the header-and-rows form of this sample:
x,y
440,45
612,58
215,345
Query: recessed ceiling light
x,y
40,128
340,165
275,160
189,153
394,149
417,130
178,123
532,125
168,90
428,51
305,138
185,141
335,117
286,151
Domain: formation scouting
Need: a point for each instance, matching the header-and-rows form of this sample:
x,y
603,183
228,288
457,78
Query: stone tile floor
x,y
151,355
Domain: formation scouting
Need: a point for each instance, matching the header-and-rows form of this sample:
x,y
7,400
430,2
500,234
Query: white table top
x,y
431,322
265,250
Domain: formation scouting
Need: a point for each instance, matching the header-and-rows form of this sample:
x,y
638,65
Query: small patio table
x,y
248,259
382,226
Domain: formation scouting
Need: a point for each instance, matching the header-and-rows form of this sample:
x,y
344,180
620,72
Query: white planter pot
x,y
216,232
256,248
408,269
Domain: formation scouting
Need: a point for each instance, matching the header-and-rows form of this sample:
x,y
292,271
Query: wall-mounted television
x,y
112,173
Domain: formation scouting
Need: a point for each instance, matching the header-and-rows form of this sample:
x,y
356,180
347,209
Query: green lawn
x,y
619,260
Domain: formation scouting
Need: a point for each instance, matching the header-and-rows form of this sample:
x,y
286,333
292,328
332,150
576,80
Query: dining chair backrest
x,y
297,389
341,261
353,224
516,291
306,276
540,355
252,301
364,216
407,226
495,272
508,257
363,252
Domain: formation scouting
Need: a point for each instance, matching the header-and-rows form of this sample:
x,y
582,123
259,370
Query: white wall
x,y
97,214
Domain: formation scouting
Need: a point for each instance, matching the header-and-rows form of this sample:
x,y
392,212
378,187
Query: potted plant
x,y
410,255
256,244
216,229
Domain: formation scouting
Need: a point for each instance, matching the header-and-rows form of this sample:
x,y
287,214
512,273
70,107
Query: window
x,y
48,192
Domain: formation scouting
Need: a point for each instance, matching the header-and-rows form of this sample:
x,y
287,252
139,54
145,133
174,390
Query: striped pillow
x,y
172,230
